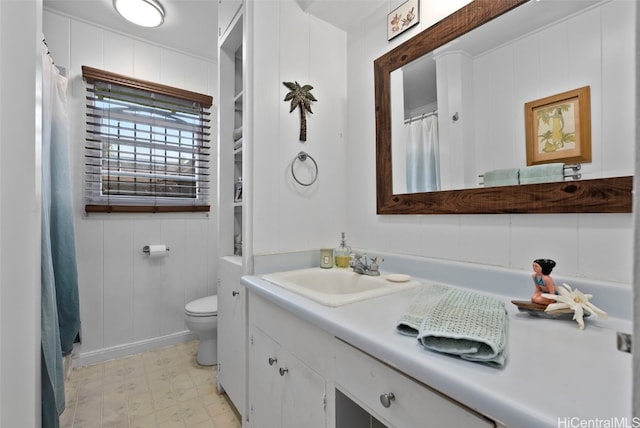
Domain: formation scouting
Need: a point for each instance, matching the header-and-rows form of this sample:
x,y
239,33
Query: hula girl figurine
x,y
542,281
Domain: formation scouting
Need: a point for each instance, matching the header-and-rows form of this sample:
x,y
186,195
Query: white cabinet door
x,y
232,332
265,382
285,392
304,397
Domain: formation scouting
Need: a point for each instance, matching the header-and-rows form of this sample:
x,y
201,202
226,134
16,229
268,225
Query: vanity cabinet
x,y
285,391
232,332
395,399
290,368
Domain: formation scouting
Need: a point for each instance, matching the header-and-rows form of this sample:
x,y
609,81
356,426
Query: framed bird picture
x,y
402,18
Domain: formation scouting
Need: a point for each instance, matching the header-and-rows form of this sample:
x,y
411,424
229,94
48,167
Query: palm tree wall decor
x,y
301,98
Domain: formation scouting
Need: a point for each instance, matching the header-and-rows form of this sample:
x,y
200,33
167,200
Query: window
x,y
147,146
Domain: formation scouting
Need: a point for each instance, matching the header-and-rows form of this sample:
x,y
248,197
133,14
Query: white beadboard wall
x,y
126,299
597,246
291,45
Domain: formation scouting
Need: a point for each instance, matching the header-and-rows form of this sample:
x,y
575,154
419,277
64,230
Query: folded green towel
x,y
470,325
544,173
501,177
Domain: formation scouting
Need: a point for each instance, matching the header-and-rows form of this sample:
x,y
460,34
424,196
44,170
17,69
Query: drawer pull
x,y
283,370
272,361
387,398
235,293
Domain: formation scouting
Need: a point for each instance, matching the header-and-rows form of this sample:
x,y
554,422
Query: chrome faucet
x,y
360,264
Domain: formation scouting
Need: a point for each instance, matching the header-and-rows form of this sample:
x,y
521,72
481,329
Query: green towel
x,y
544,173
501,177
470,325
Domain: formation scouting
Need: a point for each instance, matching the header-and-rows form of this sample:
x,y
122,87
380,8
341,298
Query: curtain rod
x,y
422,116
47,46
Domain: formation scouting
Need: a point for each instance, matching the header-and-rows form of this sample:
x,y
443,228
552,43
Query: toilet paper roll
x,y
156,251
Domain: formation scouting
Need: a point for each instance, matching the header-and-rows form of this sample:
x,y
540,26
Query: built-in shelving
x,y
234,149
231,138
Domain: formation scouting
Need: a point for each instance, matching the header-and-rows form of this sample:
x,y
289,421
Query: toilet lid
x,y
205,306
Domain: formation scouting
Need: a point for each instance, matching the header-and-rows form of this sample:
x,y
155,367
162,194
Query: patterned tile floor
x,y
162,388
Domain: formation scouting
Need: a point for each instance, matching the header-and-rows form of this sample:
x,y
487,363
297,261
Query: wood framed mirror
x,y
598,195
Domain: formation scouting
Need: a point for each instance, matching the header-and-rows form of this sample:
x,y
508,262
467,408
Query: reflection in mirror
x,y
490,59
414,127
478,79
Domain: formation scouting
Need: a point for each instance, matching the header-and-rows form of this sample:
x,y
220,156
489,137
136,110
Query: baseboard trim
x,y
81,359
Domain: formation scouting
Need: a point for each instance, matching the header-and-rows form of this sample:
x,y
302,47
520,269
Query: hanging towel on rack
x,y
501,177
545,173
470,325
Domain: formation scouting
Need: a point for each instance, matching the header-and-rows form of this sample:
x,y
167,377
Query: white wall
x,y
597,246
291,45
126,298
20,29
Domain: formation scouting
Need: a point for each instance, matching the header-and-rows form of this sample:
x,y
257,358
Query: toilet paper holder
x,y
146,249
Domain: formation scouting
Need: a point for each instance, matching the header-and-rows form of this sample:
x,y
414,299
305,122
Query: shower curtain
x,y
60,322
423,169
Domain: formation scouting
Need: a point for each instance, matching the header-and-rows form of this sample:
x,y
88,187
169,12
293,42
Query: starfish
x,y
576,301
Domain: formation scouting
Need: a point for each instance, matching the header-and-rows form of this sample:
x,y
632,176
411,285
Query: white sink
x,y
337,287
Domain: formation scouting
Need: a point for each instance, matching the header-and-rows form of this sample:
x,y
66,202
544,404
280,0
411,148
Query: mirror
x,y
589,195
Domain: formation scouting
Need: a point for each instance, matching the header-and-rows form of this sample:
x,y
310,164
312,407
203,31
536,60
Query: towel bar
x,y
302,157
569,172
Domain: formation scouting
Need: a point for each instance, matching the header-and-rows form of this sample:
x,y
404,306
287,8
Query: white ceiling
x,y
192,25
343,14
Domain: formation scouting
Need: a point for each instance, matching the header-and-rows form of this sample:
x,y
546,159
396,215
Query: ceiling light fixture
x,y
146,13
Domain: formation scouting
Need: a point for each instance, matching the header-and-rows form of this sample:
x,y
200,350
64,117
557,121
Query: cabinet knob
x,y
272,361
283,370
235,293
387,398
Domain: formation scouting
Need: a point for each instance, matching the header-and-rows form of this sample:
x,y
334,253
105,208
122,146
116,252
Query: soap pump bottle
x,y
342,254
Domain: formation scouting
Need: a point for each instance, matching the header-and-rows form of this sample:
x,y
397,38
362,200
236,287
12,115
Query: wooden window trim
x,y
91,75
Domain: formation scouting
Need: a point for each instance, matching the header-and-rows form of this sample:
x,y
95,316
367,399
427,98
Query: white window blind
x,y
147,146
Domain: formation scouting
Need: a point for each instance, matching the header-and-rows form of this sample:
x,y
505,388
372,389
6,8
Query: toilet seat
x,y
203,307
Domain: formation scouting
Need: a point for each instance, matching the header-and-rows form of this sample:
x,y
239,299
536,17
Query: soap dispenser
x,y
342,254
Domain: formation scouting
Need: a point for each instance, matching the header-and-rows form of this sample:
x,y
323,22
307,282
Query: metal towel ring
x,y
302,156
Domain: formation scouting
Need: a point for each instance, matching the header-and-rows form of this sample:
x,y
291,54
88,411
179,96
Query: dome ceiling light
x,y
146,13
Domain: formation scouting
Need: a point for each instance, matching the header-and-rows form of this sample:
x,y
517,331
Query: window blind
x,y
147,146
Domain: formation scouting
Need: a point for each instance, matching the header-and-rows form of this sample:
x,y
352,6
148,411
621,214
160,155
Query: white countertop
x,y
556,375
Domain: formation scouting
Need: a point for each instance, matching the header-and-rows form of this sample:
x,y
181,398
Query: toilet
x,y
201,317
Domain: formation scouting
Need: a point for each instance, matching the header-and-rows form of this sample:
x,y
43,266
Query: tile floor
x,y
162,388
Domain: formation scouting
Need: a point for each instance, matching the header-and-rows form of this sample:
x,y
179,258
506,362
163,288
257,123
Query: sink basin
x,y
337,287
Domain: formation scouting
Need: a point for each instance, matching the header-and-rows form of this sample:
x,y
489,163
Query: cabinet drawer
x,y
366,380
